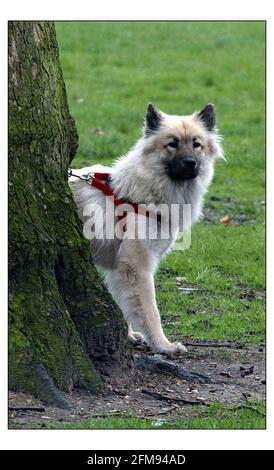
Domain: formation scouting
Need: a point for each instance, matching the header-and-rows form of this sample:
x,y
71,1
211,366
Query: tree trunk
x,y
65,331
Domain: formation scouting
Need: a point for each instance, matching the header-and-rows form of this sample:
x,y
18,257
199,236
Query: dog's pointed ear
x,y
153,119
207,116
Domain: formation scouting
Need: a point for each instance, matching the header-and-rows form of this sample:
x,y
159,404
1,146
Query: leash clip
x,y
88,178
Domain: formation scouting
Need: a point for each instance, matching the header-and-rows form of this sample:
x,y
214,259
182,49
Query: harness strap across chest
x,y
100,181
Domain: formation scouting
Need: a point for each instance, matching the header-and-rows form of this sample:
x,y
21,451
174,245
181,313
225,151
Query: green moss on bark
x,y
61,319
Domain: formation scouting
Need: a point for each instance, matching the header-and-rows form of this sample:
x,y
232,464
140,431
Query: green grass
x,y
216,416
112,70
222,262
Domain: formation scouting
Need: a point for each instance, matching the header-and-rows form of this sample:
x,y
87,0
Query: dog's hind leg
x,y
132,286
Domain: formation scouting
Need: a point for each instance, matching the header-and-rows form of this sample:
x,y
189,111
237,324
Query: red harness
x,y
99,181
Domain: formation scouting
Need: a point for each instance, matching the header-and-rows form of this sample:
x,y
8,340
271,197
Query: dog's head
x,y
185,146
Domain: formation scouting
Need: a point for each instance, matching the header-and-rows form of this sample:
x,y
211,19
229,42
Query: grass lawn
x,y
112,70
216,416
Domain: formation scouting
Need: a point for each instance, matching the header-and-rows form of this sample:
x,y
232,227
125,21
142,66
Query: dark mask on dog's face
x,y
183,143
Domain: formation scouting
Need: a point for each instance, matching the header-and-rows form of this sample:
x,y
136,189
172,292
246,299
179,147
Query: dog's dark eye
x,y
174,144
196,144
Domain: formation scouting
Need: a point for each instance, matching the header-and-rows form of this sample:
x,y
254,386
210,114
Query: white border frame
x,y
135,439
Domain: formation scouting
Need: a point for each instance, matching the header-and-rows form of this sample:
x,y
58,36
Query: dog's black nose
x,y
189,163
182,167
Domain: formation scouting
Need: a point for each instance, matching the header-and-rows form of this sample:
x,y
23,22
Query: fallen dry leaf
x,y
227,220
245,371
226,374
246,395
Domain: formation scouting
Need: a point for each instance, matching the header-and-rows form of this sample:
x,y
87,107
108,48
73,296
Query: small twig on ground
x,y
27,408
183,401
101,415
131,415
206,344
248,407
156,413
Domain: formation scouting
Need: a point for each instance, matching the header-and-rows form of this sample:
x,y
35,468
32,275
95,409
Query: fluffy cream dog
x,y
171,165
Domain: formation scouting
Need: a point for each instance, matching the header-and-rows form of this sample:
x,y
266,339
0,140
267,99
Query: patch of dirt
x,y
224,211
250,294
223,366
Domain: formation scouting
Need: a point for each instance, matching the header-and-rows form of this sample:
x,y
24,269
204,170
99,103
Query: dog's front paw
x,y
179,347
172,348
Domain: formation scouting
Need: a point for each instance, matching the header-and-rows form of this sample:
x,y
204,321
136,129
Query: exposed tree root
x,y
156,364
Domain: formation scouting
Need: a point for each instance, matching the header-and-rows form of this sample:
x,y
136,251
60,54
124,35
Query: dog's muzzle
x,y
182,168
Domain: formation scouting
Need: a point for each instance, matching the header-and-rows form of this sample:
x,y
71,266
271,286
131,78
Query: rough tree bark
x,y
65,331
